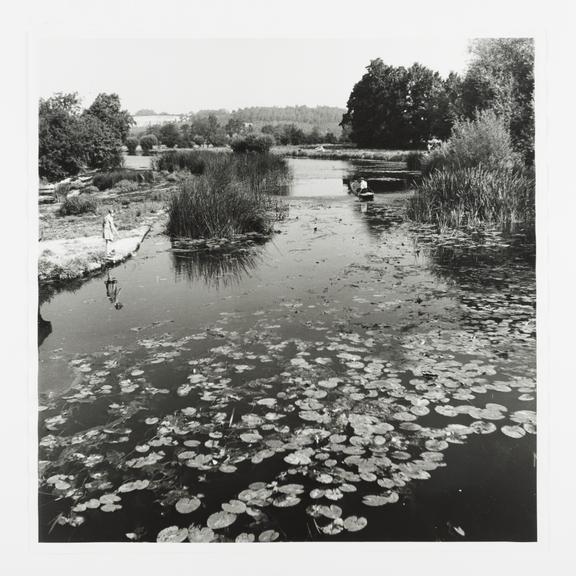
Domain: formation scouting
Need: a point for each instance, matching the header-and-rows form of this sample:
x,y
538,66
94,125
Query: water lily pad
x,y
292,489
481,427
187,505
268,536
316,493
172,534
245,537
234,507
269,402
334,527
299,458
250,437
286,501
220,520
513,431
378,500
436,445
200,534
355,523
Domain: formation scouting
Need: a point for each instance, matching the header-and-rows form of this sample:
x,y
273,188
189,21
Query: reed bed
x,y
473,196
232,196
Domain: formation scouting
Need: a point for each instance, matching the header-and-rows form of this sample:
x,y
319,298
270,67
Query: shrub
x,y
252,143
90,190
132,144
483,141
78,205
147,143
193,161
106,180
474,195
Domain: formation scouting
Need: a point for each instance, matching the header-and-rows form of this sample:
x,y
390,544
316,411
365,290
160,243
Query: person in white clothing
x,y
109,230
363,184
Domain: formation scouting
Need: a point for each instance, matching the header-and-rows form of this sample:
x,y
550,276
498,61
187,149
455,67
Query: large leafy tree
x,y
60,145
501,77
70,139
107,108
395,107
100,144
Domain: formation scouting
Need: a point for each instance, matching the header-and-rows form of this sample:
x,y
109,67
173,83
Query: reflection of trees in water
x,y
496,283
216,268
376,217
44,328
493,266
45,293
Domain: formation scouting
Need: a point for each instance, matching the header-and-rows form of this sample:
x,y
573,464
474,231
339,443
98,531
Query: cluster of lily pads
x,y
256,435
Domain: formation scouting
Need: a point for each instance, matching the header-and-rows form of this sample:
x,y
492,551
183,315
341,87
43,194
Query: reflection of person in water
x,y
112,291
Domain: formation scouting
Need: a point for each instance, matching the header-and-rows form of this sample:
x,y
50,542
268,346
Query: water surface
x,y
353,361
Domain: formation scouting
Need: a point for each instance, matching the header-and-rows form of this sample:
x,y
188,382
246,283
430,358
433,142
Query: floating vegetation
x,y
292,424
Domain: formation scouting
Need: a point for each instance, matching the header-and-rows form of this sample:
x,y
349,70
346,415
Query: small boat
x,y
365,195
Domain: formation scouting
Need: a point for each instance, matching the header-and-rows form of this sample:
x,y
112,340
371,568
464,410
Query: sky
x,y
183,75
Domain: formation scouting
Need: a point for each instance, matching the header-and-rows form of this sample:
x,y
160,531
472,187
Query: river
x,y
354,378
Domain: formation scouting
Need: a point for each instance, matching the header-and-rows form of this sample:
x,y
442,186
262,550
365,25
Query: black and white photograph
x,y
289,290
288,322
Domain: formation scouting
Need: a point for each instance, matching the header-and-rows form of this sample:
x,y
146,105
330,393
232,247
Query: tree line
x,y
399,107
207,130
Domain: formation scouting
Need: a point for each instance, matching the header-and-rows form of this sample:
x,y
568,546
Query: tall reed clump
x,y
475,178
473,196
234,195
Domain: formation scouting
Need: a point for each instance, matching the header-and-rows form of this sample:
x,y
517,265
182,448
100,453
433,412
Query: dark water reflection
x,y
217,269
369,354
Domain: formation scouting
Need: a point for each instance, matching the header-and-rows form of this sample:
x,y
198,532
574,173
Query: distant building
x,y
155,119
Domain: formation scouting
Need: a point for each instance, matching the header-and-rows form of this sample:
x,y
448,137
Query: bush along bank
x,y
475,178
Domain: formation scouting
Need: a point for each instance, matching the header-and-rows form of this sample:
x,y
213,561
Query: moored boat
x,y
363,194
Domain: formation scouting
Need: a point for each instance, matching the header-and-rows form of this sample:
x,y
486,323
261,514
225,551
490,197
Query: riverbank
x,y
329,153
70,258
72,246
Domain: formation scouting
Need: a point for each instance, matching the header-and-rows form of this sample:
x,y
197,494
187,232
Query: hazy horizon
x,y
178,76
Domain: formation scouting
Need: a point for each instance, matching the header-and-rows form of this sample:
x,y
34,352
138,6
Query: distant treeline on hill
x,y
324,118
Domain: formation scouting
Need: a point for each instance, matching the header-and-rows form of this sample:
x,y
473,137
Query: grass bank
x,y
71,244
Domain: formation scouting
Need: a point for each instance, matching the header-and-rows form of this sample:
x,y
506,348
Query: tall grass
x,y
194,161
78,205
474,195
232,196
